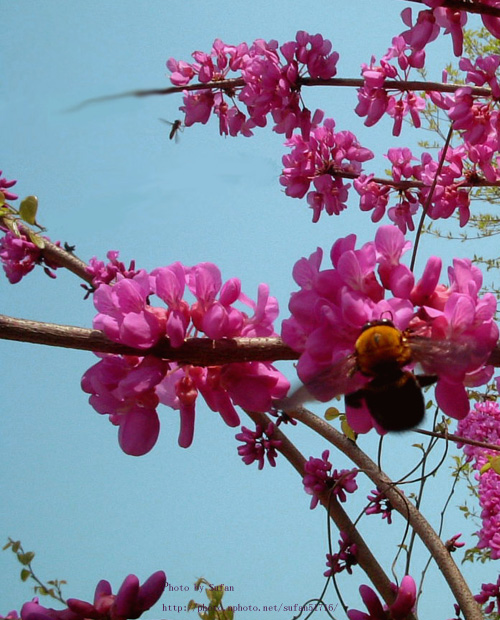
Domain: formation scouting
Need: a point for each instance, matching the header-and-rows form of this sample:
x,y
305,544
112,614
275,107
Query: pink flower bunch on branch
x,y
131,601
374,99
370,283
319,478
406,597
318,159
268,83
129,388
483,424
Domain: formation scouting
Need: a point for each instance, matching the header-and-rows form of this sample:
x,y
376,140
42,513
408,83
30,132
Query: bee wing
x,y
332,381
447,357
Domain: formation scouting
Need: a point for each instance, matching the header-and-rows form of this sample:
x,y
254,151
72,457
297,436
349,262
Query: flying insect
x,y
176,126
393,394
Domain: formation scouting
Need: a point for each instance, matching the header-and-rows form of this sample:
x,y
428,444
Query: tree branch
x,y
439,552
366,559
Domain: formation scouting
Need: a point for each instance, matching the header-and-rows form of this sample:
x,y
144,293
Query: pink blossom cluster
x,y
268,83
328,156
379,504
131,601
483,424
5,187
374,99
344,559
476,117
429,23
258,445
370,283
406,597
105,273
451,192
19,256
490,591
319,478
318,159
130,388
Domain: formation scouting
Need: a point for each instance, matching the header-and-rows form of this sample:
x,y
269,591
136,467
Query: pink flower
x,y
131,601
129,389
271,83
258,445
19,256
406,596
379,504
319,478
124,314
106,273
316,160
490,590
124,388
345,559
5,186
332,305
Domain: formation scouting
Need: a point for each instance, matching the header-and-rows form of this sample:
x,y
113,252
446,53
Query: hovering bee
x,y
176,127
393,395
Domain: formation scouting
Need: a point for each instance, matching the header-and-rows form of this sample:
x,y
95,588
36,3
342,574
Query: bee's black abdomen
x,y
395,401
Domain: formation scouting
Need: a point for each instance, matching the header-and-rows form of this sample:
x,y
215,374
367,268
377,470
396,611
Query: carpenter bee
x,y
393,395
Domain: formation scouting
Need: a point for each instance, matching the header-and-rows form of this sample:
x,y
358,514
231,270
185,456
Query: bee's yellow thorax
x,y
381,347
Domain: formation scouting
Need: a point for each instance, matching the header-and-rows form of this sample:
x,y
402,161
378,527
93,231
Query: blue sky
x,y
107,177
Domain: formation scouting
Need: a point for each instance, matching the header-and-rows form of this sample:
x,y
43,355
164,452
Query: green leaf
x,y
15,545
28,209
36,239
25,558
347,430
25,573
331,413
2,199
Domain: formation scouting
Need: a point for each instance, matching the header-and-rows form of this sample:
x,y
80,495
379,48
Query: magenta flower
x,y
121,386
19,256
124,389
5,186
319,479
271,83
316,160
131,601
332,306
379,504
482,424
406,596
490,591
453,543
105,273
124,314
345,559
258,445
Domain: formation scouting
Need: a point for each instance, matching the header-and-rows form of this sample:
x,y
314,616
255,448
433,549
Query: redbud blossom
x,y
406,596
319,478
345,559
333,304
131,601
271,83
129,389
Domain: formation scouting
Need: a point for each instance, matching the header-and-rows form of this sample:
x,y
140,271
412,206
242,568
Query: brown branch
x,y
196,351
439,552
467,5
366,559
458,439
229,86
